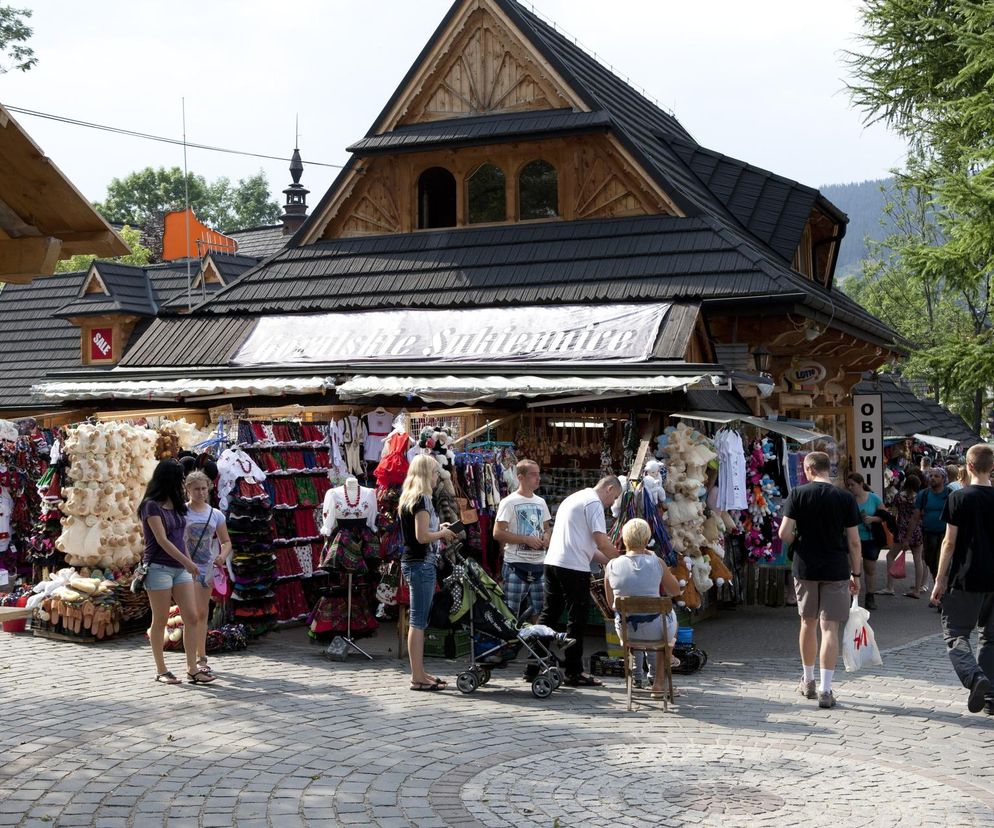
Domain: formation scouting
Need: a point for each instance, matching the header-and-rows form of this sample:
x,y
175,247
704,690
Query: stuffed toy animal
x,y
719,571
652,482
700,570
690,598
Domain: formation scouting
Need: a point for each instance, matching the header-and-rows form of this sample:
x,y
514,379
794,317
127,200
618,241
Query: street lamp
x,y
762,358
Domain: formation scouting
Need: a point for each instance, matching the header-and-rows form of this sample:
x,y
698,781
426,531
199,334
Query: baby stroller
x,y
477,606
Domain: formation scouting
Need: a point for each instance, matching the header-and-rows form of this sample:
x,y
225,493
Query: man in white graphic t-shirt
x,y
524,525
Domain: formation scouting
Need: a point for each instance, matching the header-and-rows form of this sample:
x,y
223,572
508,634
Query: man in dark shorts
x,y
821,525
964,582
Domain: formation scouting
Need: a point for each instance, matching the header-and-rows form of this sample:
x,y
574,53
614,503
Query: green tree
x,y
14,32
139,255
925,70
137,197
937,317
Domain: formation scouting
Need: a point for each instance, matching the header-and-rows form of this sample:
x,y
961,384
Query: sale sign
x,y
101,344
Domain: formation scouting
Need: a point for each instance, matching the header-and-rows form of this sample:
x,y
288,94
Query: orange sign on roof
x,y
177,243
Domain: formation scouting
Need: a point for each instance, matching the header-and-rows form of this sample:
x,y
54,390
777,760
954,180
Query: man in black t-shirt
x,y
821,524
964,582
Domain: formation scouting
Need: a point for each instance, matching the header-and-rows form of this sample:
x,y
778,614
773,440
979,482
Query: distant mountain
x,y
864,203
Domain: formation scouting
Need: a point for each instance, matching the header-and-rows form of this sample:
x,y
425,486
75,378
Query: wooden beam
x,y
86,241
23,259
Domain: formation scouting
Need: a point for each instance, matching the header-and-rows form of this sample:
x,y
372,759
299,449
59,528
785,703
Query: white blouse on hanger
x,y
231,465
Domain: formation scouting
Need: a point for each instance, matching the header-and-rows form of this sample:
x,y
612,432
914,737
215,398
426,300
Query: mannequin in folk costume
x,y
349,523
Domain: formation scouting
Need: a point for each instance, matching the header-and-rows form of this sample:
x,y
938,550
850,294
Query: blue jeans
x,y
420,577
161,576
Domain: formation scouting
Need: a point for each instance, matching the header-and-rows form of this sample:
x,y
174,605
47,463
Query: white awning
x,y
180,389
941,443
800,435
453,389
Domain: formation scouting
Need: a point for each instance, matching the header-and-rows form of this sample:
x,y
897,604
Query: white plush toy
x,y
652,483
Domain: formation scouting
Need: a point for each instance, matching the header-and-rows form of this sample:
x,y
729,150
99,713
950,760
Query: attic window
x,y
436,199
485,195
538,191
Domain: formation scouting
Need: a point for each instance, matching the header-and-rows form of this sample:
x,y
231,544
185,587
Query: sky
x,y
761,81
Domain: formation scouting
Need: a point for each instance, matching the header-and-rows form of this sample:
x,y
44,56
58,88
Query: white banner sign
x,y
868,428
616,333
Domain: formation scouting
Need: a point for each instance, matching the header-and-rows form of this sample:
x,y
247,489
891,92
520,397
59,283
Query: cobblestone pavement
x,y
288,739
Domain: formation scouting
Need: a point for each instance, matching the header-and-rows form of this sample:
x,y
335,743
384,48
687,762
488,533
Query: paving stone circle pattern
x,y
287,739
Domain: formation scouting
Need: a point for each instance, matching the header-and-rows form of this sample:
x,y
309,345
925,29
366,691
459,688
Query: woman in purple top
x,y
170,570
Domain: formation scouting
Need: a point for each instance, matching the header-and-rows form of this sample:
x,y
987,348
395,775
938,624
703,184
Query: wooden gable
x,y
93,284
209,274
480,66
596,179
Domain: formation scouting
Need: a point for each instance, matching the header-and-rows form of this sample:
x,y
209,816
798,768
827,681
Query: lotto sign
x,y
868,430
101,343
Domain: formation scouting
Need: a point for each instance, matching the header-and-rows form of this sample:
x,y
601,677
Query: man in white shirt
x,y
579,538
524,525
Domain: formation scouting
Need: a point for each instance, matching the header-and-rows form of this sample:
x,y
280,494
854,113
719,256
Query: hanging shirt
x,y
731,471
231,465
378,425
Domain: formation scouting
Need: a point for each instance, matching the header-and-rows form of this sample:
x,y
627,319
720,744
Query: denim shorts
x,y
161,576
420,577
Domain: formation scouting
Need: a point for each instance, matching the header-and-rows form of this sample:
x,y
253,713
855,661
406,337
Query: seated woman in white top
x,y
639,572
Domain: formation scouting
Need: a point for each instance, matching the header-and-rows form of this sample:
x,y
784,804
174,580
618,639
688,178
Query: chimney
x,y
295,209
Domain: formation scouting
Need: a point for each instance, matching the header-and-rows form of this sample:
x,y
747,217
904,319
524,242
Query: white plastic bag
x,y
859,646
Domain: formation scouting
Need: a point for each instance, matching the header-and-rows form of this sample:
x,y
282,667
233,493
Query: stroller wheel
x,y
557,676
542,686
467,682
484,675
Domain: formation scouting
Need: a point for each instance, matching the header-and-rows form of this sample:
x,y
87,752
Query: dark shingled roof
x,y
482,129
189,341
773,208
134,289
904,413
259,242
128,288
643,258
31,341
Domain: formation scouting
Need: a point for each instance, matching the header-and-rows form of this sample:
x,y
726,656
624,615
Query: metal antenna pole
x,y
186,197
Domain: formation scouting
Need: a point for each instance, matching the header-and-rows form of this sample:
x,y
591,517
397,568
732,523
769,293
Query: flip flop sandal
x,y
167,678
425,687
201,677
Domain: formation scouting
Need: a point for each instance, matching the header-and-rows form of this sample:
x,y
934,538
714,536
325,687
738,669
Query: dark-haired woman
x,y
170,570
868,503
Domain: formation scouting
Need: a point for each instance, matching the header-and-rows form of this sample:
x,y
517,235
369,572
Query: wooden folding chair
x,y
631,605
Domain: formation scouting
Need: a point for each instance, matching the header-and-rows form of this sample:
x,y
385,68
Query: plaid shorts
x,y
515,590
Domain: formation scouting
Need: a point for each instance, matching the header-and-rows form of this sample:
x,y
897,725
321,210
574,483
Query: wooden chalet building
x,y
512,174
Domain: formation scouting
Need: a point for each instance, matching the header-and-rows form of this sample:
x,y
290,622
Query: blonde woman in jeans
x,y
422,533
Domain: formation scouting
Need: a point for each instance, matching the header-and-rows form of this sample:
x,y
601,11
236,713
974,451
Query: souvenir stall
x,y
105,468
23,460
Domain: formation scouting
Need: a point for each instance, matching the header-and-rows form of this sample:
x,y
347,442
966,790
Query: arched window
x,y
538,191
485,195
436,198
